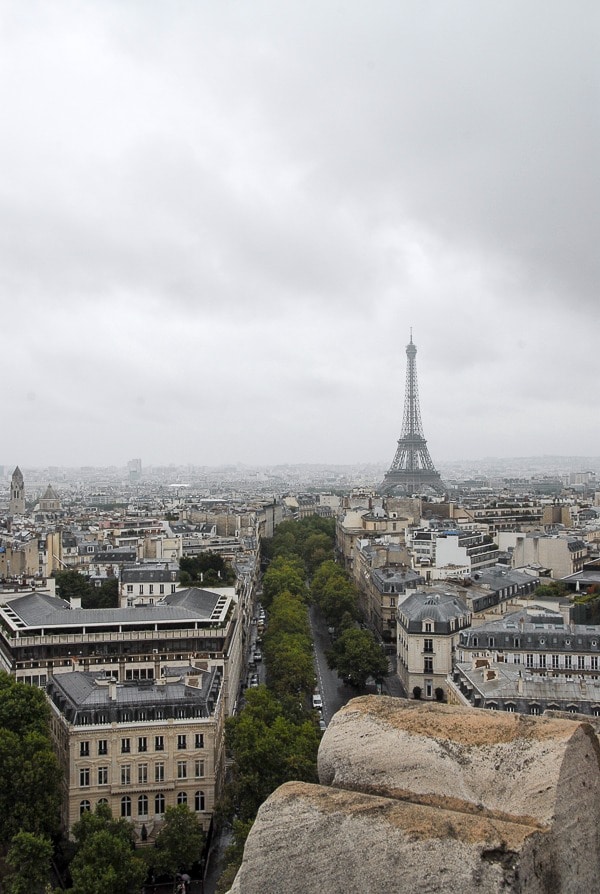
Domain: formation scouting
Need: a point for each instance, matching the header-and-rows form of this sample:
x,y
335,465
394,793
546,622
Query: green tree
x,y
104,596
208,569
180,841
105,861
356,655
30,777
71,584
28,864
267,750
284,574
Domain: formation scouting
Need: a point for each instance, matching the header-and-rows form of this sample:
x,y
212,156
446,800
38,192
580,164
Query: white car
x,y
317,701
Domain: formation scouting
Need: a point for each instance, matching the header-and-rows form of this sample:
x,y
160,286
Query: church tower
x,y
16,504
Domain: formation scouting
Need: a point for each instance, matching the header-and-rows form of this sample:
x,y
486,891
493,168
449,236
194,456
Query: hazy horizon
x,y
221,221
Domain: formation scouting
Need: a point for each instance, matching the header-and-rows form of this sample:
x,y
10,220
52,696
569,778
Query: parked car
x,y
322,725
254,681
258,655
317,701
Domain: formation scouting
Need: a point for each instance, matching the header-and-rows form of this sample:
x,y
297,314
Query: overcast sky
x,y
220,220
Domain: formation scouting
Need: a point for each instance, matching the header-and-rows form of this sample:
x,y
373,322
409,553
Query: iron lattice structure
x,y
412,470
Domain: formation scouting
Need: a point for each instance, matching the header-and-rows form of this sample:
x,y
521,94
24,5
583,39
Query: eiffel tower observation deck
x,y
412,471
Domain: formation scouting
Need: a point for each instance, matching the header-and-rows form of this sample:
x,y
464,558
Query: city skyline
x,y
219,224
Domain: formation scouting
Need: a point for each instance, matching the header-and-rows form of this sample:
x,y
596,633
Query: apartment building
x,y
537,640
449,552
562,554
429,625
146,583
139,747
42,636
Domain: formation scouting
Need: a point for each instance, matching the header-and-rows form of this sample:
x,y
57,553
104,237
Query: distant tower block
x,y
16,503
412,471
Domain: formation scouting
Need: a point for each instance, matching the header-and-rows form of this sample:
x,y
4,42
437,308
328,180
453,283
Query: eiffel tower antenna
x,y
412,470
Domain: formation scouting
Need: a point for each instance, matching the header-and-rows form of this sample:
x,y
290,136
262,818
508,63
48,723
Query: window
x,y
534,709
159,743
161,589
159,804
151,589
181,742
555,662
199,769
580,662
542,659
130,588
182,769
181,798
529,660
159,771
84,807
84,749
568,661
142,743
102,800
143,805
428,627
84,777
428,665
428,645
102,746
199,801
126,774
594,662
200,739
125,746
125,806
102,775
142,773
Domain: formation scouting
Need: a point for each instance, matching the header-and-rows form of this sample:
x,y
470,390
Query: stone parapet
x,y
423,797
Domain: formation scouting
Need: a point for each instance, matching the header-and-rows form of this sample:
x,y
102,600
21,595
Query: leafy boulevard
x,y
275,738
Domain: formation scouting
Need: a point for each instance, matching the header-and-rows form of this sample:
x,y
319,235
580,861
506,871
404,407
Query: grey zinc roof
x,y
42,610
440,607
85,690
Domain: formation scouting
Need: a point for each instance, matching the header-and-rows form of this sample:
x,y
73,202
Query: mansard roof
x,y
441,608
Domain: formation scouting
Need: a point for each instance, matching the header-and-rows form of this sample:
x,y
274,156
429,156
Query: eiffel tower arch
x,y
412,470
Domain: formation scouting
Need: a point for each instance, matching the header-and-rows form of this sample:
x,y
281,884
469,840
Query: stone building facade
x,y
429,625
139,747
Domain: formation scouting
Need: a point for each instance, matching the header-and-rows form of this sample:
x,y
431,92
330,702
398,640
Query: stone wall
x,y
423,797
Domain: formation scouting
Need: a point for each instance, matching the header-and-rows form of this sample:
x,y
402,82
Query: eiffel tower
x,y
412,471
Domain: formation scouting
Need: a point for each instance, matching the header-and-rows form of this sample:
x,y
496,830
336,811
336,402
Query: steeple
x,y
16,503
412,470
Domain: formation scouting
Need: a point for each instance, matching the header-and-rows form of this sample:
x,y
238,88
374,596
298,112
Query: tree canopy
x,y
356,655
267,749
30,793
180,841
70,584
209,569
105,861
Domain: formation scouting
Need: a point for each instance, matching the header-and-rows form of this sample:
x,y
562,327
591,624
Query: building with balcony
x,y
429,625
42,636
140,747
537,640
